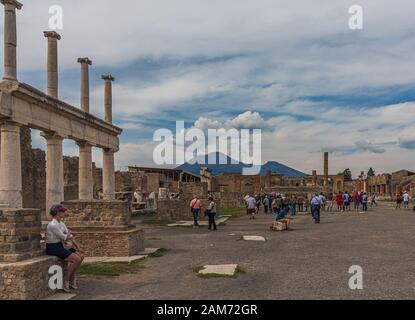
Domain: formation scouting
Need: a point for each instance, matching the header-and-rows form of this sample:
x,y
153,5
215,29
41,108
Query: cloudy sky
x,y
292,68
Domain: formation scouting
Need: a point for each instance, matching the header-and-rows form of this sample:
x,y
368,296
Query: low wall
x,y
24,266
102,228
179,209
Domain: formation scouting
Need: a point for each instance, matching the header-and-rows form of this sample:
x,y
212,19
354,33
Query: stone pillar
x,y
314,176
10,38
326,168
108,97
54,170
85,63
10,166
108,175
53,38
86,184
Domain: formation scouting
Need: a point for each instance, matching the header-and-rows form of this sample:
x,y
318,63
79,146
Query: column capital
x,y
107,77
14,3
52,34
83,144
51,135
85,60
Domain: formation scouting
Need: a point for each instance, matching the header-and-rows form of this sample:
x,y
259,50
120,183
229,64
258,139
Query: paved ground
x,y
310,262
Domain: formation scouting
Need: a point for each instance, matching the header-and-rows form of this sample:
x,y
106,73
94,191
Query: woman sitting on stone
x,y
56,235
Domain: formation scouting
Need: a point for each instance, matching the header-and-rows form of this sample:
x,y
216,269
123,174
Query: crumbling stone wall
x,y
103,228
97,213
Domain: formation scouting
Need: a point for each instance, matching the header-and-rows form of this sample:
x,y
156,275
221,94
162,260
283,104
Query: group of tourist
x,y
403,197
281,205
145,197
210,212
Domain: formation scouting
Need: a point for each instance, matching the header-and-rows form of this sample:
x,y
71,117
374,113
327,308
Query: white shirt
x,y
406,197
56,232
316,201
251,203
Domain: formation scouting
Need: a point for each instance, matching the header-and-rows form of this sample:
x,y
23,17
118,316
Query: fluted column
x,y
54,170
53,38
10,38
10,166
85,63
86,183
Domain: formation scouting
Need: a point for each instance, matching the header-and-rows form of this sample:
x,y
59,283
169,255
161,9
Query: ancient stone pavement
x,y
312,261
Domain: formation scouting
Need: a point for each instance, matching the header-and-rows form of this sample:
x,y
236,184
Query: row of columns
x,y
10,155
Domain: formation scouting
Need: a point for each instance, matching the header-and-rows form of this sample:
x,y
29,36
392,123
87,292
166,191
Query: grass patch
x,y
159,253
238,271
233,211
109,269
158,222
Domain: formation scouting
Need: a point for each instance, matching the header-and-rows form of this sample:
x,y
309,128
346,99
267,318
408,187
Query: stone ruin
x,y
103,227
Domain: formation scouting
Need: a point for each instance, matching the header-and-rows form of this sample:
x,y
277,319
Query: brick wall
x,y
19,234
97,213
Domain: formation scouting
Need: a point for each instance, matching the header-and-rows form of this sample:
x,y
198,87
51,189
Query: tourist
x,y
330,202
323,201
292,205
100,194
211,213
364,201
339,199
300,204
152,200
373,201
281,214
356,201
306,204
398,200
315,208
265,202
406,199
195,207
138,195
56,235
257,203
346,201
251,207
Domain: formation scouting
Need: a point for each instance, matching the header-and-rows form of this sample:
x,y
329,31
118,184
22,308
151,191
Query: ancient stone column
x,y
10,38
86,183
326,168
53,38
54,170
10,166
108,171
108,175
108,97
85,63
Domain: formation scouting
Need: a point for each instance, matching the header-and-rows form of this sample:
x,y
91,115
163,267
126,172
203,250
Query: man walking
x,y
195,207
315,208
364,201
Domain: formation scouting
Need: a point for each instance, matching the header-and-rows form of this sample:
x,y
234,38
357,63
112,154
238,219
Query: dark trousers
x,y
212,223
195,216
315,211
266,209
300,207
364,205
